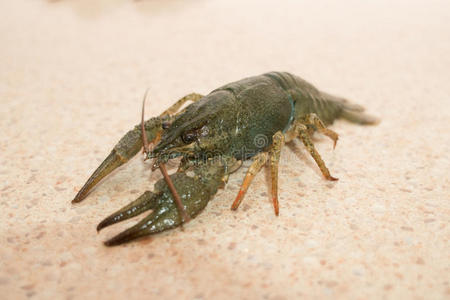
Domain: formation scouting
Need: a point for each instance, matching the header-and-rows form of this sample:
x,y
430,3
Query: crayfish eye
x,y
188,137
165,125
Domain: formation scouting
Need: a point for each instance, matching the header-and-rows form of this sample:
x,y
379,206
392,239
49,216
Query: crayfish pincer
x,y
248,119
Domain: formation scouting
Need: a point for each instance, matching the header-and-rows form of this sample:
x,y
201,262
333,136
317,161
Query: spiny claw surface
x,y
128,146
195,192
145,202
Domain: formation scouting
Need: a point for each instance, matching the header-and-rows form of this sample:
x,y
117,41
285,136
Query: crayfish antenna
x,y
162,167
146,149
174,192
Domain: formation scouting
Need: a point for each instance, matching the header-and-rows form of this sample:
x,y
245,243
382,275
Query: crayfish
x,y
248,119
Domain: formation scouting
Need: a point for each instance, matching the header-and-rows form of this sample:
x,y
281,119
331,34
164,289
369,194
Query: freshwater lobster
x,y
249,118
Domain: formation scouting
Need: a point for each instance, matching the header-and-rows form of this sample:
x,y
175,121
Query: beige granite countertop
x,y
72,75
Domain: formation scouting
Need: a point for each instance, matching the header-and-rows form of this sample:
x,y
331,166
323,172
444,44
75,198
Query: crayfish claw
x,y
195,193
145,202
128,146
112,162
153,223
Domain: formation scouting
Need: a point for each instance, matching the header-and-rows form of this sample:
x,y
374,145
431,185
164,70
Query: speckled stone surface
x,y
72,75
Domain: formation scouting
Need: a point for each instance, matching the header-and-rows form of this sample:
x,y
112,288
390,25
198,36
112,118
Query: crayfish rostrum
x,y
248,119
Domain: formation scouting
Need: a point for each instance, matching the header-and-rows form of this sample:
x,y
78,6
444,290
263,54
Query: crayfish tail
x,y
342,108
358,117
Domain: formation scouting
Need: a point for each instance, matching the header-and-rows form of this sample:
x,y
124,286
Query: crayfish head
x,y
200,132
188,143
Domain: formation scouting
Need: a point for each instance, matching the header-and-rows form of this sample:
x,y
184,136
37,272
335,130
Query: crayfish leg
x,y
313,119
194,97
278,143
259,161
302,132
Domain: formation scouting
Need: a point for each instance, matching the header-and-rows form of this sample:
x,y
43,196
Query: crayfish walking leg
x,y
298,129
